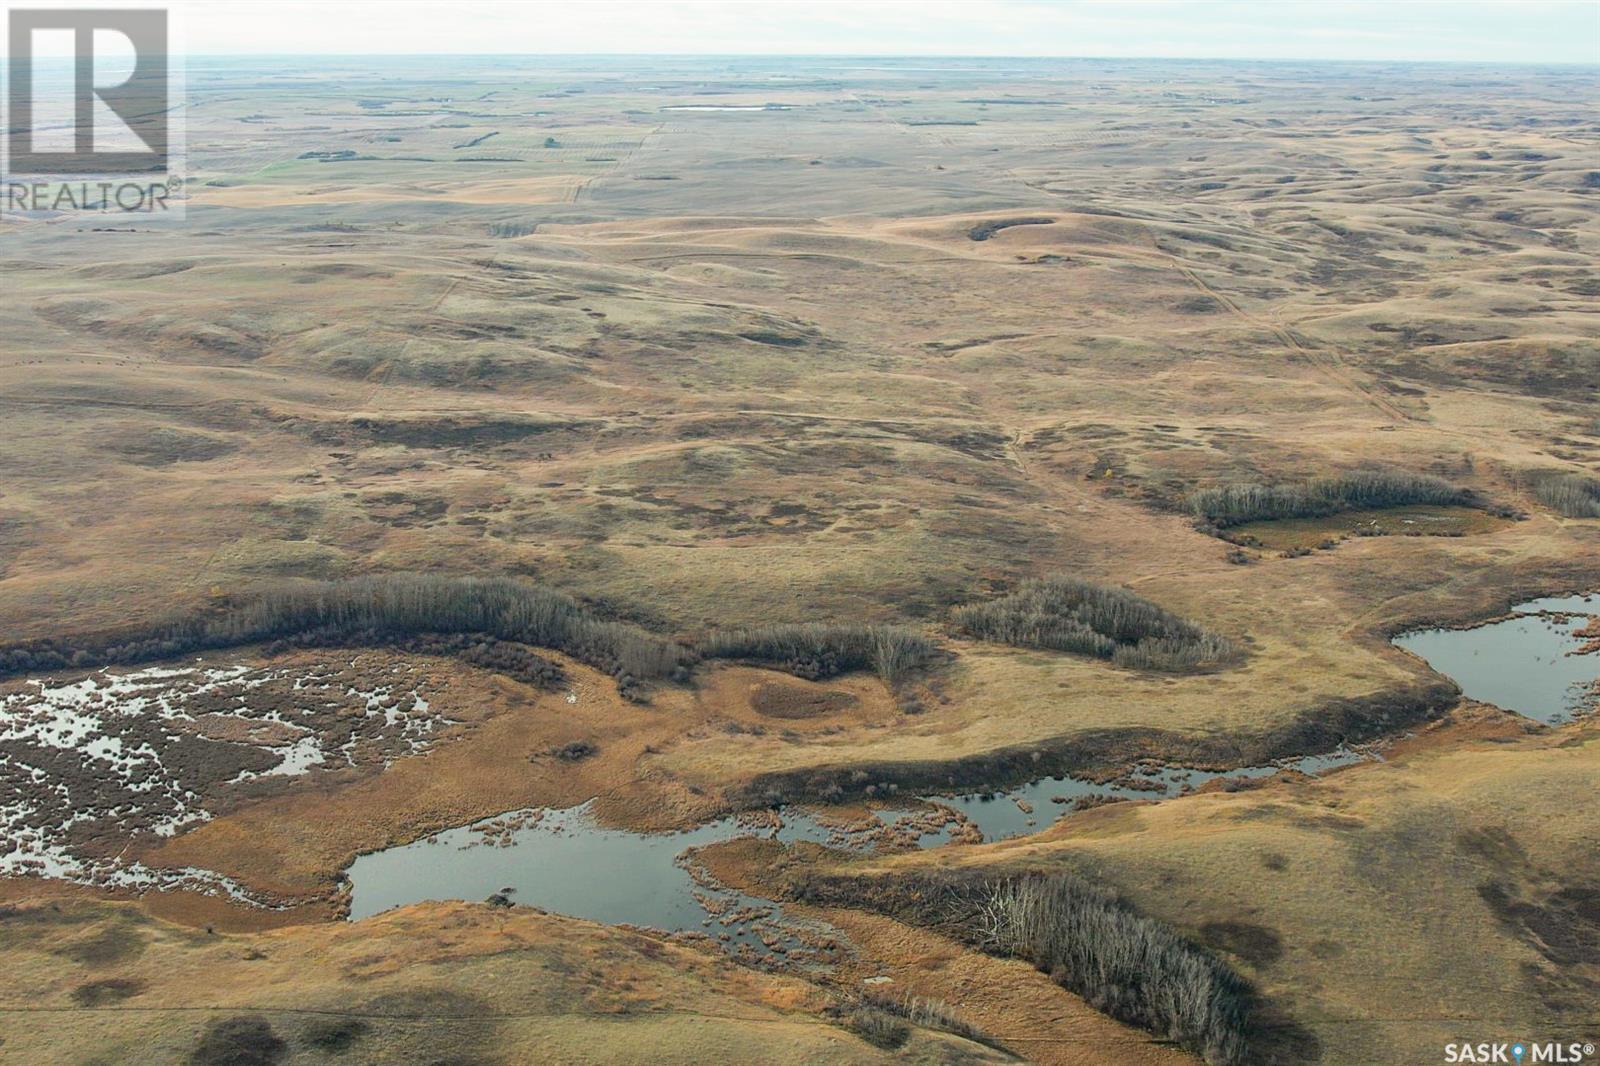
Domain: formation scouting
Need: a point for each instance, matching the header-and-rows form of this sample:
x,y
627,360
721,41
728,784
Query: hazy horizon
x,y
1557,32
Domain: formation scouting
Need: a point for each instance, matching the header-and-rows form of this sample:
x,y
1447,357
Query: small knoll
x,y
984,230
455,431
164,445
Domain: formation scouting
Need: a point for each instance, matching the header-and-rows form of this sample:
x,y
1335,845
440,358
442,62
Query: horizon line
x,y
1595,64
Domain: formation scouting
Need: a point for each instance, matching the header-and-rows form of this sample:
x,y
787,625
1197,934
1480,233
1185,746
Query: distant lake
x,y
728,107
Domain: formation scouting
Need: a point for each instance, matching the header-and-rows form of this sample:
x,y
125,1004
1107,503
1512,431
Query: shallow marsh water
x,y
564,861
1034,806
114,753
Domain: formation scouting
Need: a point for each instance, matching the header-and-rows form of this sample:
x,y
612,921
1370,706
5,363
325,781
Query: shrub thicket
x,y
1069,614
1089,941
517,661
1131,967
1572,495
878,1028
392,605
1233,504
816,649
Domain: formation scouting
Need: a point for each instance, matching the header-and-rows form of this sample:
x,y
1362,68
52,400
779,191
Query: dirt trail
x,y
1014,450
1327,361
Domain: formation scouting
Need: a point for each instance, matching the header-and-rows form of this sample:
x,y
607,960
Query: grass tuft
x,y
934,1014
878,1028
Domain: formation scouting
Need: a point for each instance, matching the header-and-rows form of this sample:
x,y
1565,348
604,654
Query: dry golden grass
x,y
705,369
1388,908
437,981
1006,998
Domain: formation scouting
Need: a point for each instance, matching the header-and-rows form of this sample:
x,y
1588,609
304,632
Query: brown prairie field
x,y
903,341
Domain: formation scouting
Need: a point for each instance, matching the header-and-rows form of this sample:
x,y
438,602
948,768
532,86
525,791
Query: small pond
x,y
563,861
1287,534
1530,662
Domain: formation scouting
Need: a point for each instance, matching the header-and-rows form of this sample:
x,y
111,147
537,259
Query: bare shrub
x,y
1177,654
1073,615
1122,963
390,605
1240,502
1132,967
517,661
897,652
1571,495
878,1028
818,650
935,1014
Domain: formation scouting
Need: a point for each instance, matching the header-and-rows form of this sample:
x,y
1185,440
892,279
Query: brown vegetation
x,y
1133,968
1571,495
1070,614
378,609
1236,503
816,650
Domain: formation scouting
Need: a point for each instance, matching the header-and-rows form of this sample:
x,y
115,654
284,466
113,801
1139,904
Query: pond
x,y
1288,534
1532,662
564,861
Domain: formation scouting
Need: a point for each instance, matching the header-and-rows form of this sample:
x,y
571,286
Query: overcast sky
x,y
1522,31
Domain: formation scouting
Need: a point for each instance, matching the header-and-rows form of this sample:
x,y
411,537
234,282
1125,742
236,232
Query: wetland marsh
x,y
604,502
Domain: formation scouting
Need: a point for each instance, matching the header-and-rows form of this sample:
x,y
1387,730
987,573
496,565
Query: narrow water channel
x,y
1034,806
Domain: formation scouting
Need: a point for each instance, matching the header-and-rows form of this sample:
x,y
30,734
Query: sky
x,y
1513,31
